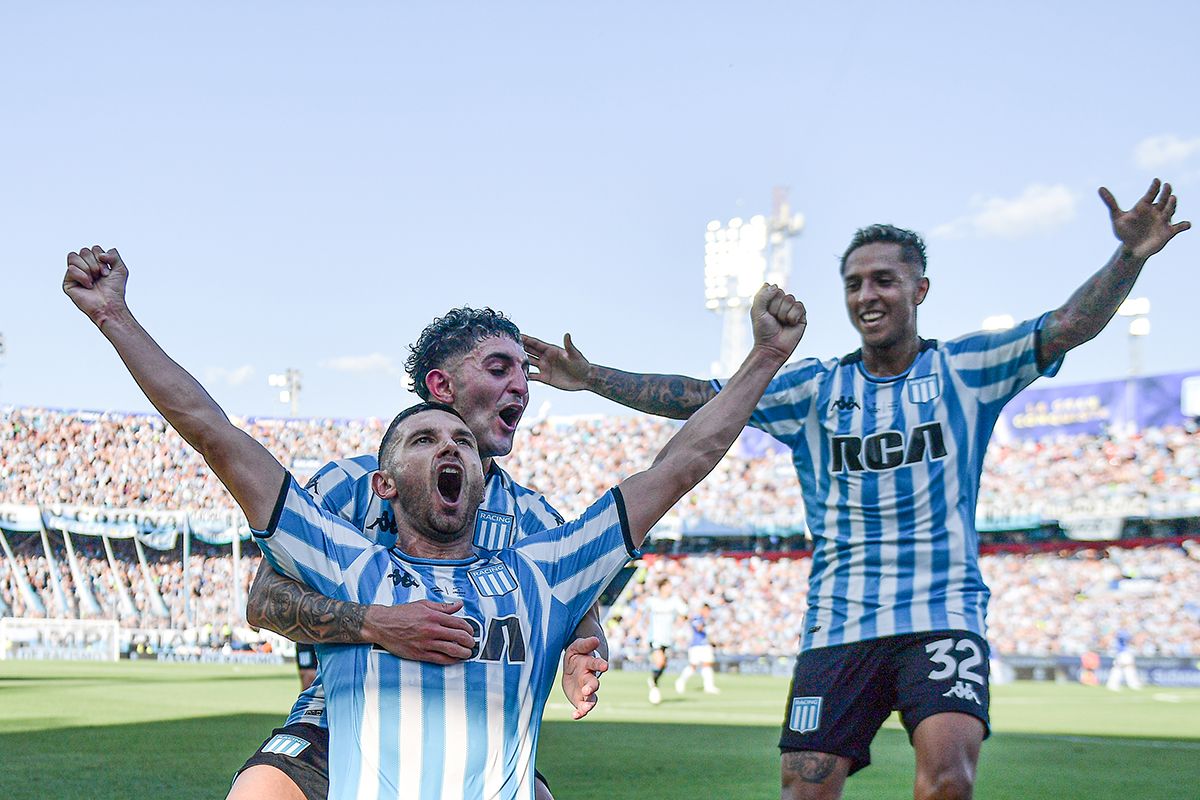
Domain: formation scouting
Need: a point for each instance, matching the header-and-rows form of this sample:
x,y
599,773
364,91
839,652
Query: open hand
x,y
1146,227
421,631
581,675
561,367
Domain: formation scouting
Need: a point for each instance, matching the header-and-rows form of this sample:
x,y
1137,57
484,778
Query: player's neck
x,y
435,546
890,360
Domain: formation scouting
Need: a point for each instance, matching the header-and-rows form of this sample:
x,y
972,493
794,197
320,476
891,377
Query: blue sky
x,y
307,185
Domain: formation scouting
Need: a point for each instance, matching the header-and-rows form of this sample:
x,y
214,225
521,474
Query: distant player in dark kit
x,y
888,444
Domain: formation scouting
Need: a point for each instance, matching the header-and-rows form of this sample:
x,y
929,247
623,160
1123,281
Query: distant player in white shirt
x,y
403,728
665,610
888,444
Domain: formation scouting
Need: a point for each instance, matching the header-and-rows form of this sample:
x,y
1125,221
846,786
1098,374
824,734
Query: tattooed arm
x,y
1143,230
566,368
421,631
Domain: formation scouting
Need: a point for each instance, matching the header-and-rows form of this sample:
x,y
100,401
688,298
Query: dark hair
x,y
453,334
912,248
386,442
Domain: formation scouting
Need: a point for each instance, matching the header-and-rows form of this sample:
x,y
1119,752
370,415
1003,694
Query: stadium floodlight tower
x,y
288,384
740,256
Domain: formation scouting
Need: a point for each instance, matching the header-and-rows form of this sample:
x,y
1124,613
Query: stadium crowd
x,y
1041,604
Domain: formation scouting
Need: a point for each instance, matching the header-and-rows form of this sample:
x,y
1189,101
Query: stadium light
x,y
999,322
288,383
739,256
1138,310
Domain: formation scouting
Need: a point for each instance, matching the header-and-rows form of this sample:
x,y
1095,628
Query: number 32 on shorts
x,y
948,665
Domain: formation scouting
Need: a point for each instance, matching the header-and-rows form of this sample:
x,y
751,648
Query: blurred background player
x,y
306,660
1124,668
665,611
700,654
888,444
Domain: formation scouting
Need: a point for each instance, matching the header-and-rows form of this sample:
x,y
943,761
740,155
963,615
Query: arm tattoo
x,y
282,605
1089,309
671,396
812,767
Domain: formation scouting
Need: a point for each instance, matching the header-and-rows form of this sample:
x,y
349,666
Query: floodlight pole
x,y
740,256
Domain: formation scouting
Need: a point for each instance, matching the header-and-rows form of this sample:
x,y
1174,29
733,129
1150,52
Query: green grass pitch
x,y
148,730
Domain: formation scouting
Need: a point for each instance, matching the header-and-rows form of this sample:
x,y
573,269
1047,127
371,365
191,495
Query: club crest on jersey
x,y
493,580
493,531
922,390
806,714
286,745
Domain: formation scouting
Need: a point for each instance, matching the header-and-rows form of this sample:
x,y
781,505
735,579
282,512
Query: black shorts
x,y
300,751
841,695
306,657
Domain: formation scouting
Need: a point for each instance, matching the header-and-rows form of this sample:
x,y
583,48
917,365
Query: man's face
x,y
882,294
437,474
491,390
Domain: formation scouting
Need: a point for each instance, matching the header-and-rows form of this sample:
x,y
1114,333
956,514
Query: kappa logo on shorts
x,y
963,691
493,531
286,745
806,714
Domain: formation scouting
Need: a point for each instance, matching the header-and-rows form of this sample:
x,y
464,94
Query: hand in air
x,y
1146,227
561,367
778,319
95,282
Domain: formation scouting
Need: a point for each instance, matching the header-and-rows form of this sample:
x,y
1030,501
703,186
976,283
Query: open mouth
x,y
449,483
511,415
870,317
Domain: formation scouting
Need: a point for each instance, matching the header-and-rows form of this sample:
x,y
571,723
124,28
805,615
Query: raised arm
x,y
779,321
1143,230
566,368
95,282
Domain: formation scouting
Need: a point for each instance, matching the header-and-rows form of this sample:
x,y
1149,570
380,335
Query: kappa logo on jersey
x,y
493,531
847,403
806,714
922,390
286,745
880,452
493,580
963,691
402,578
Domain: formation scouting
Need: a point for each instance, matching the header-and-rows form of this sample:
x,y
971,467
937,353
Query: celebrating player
x,y
400,727
470,359
888,444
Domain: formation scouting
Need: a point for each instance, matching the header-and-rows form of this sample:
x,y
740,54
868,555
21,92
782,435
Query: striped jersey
x,y
402,728
508,512
889,470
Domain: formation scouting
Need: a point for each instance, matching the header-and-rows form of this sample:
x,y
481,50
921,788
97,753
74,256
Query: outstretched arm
x,y
779,321
420,631
1143,230
95,282
566,368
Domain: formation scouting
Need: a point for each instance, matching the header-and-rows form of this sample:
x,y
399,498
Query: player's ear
x,y
440,387
383,485
922,289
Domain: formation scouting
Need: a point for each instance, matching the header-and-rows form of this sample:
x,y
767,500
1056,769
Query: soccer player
x,y
401,727
888,443
470,359
700,655
665,610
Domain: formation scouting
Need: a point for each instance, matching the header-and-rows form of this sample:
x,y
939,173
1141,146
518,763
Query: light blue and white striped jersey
x,y
889,469
509,511
402,728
